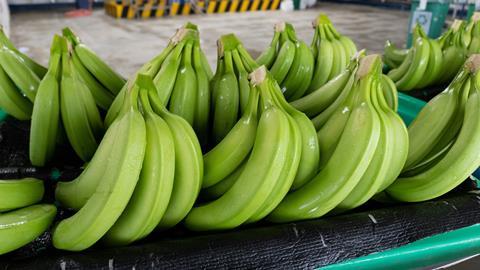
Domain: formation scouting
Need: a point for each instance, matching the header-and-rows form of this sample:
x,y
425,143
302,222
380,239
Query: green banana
x,y
103,72
221,187
20,74
310,151
418,66
397,73
113,193
225,100
226,156
434,67
46,109
300,74
339,55
323,64
152,192
358,141
284,60
103,97
268,56
18,193
188,165
184,95
38,69
11,99
76,117
393,56
390,93
243,83
318,100
75,194
20,227
166,77
202,108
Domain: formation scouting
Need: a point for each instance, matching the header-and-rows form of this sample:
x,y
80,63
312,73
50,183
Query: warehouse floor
x,y
127,44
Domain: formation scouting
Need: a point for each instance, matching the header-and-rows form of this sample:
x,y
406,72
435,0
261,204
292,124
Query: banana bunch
x,y
181,74
444,140
102,81
270,149
145,175
21,219
64,104
19,80
289,60
429,62
363,147
331,50
230,86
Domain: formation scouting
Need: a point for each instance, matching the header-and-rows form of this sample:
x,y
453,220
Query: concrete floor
x,y
127,44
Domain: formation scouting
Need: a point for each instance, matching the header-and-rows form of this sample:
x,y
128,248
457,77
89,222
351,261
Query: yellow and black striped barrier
x,y
159,8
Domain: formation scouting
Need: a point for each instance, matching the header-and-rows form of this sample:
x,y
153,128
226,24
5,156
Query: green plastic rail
x,y
433,250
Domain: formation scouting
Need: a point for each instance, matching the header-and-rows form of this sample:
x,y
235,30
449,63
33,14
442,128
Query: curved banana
x,y
268,56
310,149
11,99
20,227
103,97
393,56
323,65
188,165
319,99
18,193
113,193
283,61
184,95
46,109
243,83
226,156
103,72
226,100
38,69
397,73
418,66
20,74
390,93
166,77
152,192
434,67
300,74
217,190
74,113
202,107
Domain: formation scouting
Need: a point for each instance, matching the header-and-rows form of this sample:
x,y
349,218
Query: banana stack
x,y
272,147
64,104
444,140
429,62
181,74
363,147
145,175
331,50
21,218
102,81
289,60
19,80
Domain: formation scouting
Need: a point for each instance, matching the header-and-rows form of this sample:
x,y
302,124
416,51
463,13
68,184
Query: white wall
x,y
5,16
